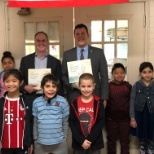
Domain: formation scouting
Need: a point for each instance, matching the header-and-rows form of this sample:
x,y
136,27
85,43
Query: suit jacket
x,y
53,63
99,70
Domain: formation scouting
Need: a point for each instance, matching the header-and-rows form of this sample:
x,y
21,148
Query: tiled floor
x,y
133,145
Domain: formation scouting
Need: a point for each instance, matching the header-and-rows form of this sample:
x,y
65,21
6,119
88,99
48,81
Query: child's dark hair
x,y
15,72
7,54
86,76
145,65
50,77
118,65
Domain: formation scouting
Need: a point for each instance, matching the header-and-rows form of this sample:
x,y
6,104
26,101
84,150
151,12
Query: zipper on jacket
x,y
3,121
22,101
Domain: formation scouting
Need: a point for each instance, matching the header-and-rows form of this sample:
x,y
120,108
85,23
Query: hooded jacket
x,y
95,136
28,132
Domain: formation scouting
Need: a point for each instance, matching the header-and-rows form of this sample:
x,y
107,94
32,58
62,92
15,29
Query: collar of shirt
x,y
36,55
85,53
41,62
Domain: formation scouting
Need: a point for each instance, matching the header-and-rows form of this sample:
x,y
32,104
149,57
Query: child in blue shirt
x,y
50,113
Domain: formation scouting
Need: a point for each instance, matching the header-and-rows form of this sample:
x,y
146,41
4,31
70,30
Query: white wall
x,y
150,46
15,28
2,38
5,35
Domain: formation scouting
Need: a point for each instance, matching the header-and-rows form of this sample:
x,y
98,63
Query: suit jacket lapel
x,y
90,52
74,54
32,61
49,61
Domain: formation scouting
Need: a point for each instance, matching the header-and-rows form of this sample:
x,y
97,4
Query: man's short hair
x,y
41,32
81,26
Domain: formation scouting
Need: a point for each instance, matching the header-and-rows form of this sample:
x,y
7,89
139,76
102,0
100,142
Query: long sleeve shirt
x,y
118,104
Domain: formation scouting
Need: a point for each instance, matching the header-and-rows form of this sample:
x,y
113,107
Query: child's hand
x,y
30,149
105,103
86,144
133,123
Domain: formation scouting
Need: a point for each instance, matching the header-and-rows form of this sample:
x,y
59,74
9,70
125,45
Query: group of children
x,y
42,125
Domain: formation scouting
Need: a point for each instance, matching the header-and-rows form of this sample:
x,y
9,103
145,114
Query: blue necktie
x,y
81,57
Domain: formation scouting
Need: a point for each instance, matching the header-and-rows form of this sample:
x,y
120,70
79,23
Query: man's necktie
x,y
82,57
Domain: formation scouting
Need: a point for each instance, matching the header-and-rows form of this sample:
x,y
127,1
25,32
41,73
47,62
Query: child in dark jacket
x,y
16,121
117,111
86,119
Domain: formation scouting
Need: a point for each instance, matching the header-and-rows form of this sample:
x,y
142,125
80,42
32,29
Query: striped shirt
x,y
14,115
50,119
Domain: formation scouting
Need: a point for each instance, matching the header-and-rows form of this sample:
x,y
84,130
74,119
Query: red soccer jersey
x,y
86,115
14,122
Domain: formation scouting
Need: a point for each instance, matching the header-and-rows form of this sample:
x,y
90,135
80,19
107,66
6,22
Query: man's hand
x,y
30,88
75,85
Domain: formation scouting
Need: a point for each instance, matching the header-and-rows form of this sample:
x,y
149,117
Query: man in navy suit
x,y
98,63
40,59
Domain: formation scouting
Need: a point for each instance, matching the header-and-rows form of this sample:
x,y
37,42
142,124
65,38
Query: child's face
x,y
86,87
147,74
12,84
118,75
50,90
7,63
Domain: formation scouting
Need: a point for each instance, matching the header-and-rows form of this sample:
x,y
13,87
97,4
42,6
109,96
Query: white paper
x,y
76,68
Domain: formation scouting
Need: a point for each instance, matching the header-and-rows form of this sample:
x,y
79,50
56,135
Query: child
x,y
7,63
142,109
87,118
16,120
50,119
117,111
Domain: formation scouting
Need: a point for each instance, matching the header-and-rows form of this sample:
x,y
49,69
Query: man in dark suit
x,y
98,63
40,59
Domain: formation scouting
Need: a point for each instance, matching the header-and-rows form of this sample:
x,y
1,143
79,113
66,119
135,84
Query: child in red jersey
x,y
15,116
117,111
87,118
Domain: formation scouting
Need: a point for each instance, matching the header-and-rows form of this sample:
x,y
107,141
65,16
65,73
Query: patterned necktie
x,y
81,57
